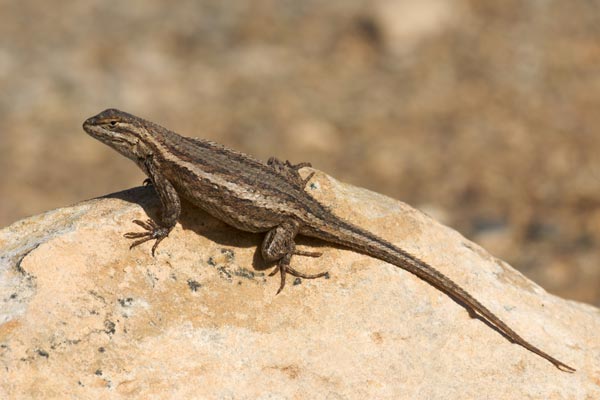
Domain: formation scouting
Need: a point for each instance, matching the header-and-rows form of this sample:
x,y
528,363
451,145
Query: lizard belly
x,y
245,220
247,216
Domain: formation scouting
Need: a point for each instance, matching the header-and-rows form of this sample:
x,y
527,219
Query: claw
x,y
158,240
138,242
135,235
308,177
299,165
308,253
149,225
299,274
282,284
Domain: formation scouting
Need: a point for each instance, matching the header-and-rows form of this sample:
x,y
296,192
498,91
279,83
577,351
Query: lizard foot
x,y
290,170
153,232
283,267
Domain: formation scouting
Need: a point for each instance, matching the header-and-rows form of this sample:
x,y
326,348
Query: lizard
x,y
253,196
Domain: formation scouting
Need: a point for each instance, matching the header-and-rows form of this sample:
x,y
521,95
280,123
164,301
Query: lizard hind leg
x,y
290,170
279,246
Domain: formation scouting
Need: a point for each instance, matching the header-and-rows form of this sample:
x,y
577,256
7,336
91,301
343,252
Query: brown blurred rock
x,y
85,317
405,23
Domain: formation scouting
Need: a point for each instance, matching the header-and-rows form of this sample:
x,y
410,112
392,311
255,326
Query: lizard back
x,y
230,185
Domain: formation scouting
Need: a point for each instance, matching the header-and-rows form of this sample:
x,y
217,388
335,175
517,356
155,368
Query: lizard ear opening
x,y
140,149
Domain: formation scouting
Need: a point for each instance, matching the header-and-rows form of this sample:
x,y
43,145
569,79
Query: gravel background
x,y
482,113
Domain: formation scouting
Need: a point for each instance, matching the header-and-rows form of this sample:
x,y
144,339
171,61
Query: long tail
x,y
367,243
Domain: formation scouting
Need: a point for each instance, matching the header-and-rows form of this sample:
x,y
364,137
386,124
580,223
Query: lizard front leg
x,y
290,170
169,213
279,246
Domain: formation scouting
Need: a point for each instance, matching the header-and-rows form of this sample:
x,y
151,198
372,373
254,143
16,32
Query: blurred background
x,y
482,113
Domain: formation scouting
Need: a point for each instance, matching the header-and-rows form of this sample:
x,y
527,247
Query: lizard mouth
x,y
90,125
107,136
94,130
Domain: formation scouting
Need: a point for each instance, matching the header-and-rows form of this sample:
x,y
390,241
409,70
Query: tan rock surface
x,y
82,316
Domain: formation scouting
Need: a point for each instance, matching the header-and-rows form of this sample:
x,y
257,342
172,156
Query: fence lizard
x,y
256,197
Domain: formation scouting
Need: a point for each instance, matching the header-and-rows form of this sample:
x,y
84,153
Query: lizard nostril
x,y
90,121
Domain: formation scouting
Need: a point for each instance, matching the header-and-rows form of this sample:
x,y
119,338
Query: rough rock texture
x,y
82,316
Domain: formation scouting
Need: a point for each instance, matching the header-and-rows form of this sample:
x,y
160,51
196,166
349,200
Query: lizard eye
x,y
111,124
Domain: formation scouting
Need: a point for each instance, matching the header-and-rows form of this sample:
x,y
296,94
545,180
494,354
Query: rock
x,y
82,316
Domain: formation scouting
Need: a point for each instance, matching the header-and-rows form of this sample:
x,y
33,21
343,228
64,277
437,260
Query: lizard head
x,y
121,131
